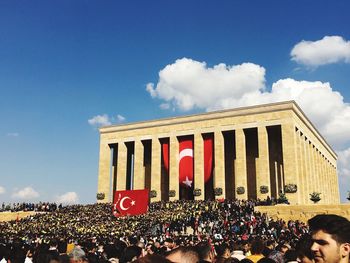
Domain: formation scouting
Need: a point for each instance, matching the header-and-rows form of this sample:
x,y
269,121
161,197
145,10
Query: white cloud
x,y
2,190
164,106
330,49
13,134
105,120
344,172
189,84
68,198
150,89
100,120
323,106
26,193
120,118
343,162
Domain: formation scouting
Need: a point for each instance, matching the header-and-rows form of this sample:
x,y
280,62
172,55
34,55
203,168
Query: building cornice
x,y
241,111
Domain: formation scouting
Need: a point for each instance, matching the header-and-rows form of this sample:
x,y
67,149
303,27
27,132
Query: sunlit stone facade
x,y
258,151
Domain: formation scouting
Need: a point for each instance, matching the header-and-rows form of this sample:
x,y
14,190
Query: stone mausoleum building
x,y
250,152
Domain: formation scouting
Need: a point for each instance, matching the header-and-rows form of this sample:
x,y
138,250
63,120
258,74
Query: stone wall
x,y
285,212
303,212
8,216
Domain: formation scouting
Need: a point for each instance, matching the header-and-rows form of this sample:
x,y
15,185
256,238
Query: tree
x,y
315,197
282,199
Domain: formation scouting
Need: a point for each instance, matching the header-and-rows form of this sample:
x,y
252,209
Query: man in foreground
x,y
330,238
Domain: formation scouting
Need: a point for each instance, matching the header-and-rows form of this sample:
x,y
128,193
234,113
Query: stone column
x,y
300,166
331,182
277,179
317,172
330,190
321,178
241,164
328,180
334,186
199,165
291,175
302,186
329,175
309,171
263,167
335,176
174,167
156,169
219,175
306,173
121,166
306,170
312,168
139,169
104,172
325,188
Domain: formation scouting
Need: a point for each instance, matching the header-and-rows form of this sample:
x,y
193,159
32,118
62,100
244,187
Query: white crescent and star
x,y
186,153
121,203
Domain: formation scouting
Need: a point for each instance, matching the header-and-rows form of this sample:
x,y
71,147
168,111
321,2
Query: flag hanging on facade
x,y
165,152
130,202
186,162
208,157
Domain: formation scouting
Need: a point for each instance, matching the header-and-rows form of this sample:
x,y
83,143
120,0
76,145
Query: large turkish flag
x,y
208,157
130,202
186,162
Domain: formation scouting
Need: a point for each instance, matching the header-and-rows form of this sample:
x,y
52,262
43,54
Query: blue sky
x,y
67,67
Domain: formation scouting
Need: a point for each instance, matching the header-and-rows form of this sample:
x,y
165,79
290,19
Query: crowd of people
x,y
179,231
37,207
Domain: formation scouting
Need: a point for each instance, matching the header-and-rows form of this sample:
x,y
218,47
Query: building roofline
x,y
247,110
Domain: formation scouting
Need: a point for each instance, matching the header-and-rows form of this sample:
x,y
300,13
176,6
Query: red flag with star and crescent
x,y
186,162
130,202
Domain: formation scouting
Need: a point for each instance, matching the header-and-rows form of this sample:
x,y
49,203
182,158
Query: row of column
x,y
105,169
316,173
263,177
303,165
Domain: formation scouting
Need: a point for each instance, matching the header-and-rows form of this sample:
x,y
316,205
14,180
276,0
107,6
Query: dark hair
x,y
266,260
231,260
189,253
303,247
220,249
257,247
132,252
203,249
291,255
269,242
152,259
246,260
337,226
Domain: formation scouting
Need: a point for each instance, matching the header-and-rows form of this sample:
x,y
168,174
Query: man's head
x,y
257,247
183,255
223,251
330,238
77,255
205,251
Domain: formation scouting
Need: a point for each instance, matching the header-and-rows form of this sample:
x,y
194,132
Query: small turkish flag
x,y
130,202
